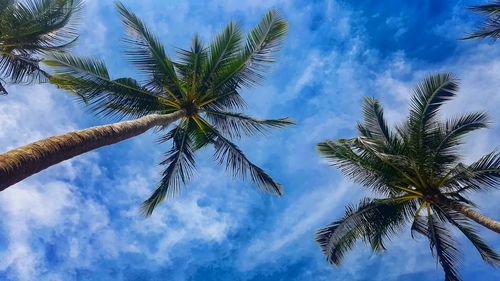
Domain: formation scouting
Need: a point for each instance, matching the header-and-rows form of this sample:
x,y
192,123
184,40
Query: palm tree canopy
x,y
416,169
32,28
491,25
204,83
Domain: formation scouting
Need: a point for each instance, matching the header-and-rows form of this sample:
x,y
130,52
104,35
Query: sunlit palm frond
x,y
190,66
221,52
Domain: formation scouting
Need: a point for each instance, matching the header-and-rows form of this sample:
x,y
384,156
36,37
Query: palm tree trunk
x,y
473,215
25,161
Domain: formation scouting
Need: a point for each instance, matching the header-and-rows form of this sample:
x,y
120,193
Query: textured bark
x,y
25,161
475,216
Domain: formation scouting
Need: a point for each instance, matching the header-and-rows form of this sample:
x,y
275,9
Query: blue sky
x,y
79,220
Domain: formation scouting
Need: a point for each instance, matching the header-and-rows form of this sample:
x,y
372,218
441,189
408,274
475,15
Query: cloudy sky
x,y
79,220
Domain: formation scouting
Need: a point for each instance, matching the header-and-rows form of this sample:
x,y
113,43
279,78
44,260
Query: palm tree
x,y
201,89
491,26
30,29
415,169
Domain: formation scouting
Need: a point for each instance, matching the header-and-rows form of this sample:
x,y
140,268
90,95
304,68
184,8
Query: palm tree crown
x,y
204,83
29,29
415,169
491,26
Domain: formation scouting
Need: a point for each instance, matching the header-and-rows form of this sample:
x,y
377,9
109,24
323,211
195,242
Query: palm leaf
x,y
89,79
362,168
463,224
428,97
262,42
450,135
39,26
491,26
190,66
445,248
374,124
146,52
239,165
234,124
371,221
180,168
222,50
480,175
490,9
21,69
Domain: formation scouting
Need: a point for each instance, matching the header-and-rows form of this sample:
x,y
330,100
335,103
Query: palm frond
x,y
89,79
4,4
449,137
442,244
39,26
234,124
491,26
362,168
374,124
21,69
490,9
180,168
222,51
239,166
445,248
31,28
428,97
464,225
480,175
145,51
370,221
190,65
261,43
226,99
3,91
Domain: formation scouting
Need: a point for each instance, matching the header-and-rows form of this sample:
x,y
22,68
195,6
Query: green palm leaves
x,y
31,28
491,26
204,83
415,169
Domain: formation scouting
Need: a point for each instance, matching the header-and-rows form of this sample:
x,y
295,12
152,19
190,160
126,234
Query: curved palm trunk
x,y
25,161
475,216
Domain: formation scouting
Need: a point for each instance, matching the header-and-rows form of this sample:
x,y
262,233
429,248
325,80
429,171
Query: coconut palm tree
x,y
29,29
415,170
201,90
491,26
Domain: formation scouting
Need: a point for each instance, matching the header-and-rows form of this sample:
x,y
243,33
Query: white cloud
x,y
298,221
